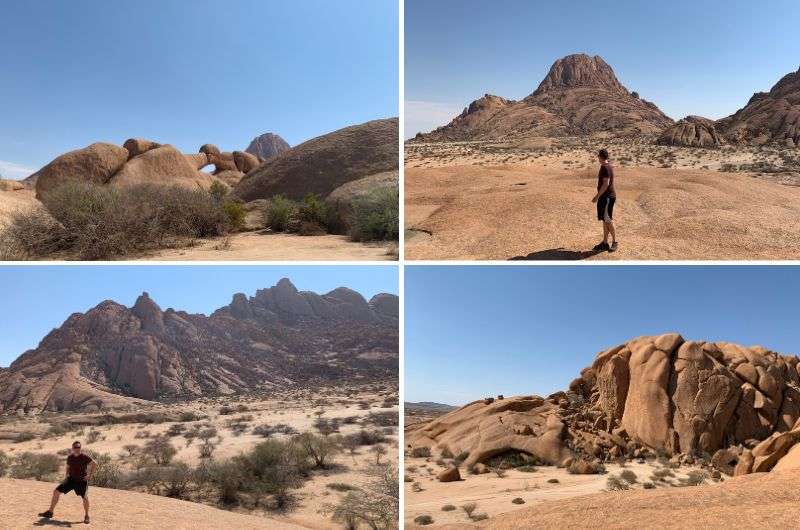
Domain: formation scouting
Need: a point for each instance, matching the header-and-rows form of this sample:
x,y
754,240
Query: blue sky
x,y
479,331
189,72
37,299
703,57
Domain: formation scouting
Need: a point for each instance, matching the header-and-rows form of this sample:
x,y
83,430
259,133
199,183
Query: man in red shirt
x,y
80,468
605,198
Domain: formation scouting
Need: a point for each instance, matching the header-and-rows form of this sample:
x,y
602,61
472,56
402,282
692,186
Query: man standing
x,y
80,468
605,198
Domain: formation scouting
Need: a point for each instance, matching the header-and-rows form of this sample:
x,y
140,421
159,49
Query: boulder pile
x,y
734,407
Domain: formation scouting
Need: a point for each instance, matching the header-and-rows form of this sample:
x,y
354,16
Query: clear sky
x,y
189,72
703,57
37,299
479,331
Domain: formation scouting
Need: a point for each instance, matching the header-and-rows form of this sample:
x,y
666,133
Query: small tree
x,y
379,451
320,449
160,450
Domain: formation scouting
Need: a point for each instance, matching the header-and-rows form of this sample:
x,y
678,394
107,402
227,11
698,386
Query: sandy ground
x,y
488,202
760,500
259,246
298,409
117,509
493,494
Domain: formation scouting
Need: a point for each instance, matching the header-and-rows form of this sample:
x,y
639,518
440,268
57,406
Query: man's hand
x,y
594,199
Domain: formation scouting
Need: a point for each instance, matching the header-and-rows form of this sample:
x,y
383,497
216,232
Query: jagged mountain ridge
x,y
113,356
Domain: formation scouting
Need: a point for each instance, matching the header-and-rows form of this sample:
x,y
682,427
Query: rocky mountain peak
x,y
580,70
267,145
149,313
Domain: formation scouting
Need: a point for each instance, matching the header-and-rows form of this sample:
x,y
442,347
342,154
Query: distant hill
x,y
428,406
267,145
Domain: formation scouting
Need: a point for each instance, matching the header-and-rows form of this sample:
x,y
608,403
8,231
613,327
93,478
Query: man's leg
x,y
86,505
608,228
54,500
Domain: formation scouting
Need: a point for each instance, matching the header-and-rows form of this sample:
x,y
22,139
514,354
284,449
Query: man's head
x,y
602,155
76,447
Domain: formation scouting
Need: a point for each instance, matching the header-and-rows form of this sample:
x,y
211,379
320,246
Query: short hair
x,y
603,154
76,442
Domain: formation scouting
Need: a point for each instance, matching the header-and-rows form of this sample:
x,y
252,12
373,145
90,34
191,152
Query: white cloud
x,y
424,116
10,170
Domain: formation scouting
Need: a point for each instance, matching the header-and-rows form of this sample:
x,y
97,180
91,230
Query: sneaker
x,y
47,515
601,246
86,519
613,247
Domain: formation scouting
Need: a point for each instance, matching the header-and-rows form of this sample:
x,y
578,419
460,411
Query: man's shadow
x,y
55,522
557,254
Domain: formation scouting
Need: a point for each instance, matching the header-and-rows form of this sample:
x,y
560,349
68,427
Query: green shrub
x,y
312,210
628,476
448,508
518,500
279,213
5,463
376,216
160,450
218,190
108,474
616,484
236,215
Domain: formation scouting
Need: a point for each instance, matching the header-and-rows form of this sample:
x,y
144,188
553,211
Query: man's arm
x,y
66,470
92,467
602,190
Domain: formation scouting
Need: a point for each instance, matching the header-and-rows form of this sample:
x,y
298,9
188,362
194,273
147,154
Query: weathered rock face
x,y
692,131
245,162
580,95
161,165
138,146
96,163
267,145
323,164
112,355
769,117
650,394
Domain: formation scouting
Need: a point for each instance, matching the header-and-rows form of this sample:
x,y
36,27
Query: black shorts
x,y
73,484
605,208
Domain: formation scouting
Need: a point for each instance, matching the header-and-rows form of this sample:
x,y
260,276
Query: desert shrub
x,y
423,520
648,485
218,190
377,505
696,477
57,430
93,436
628,476
518,500
5,463
131,449
279,213
235,214
448,508
368,437
25,436
552,481
206,450
312,210
187,416
319,449
376,216
29,465
108,474
421,452
176,479
386,418
616,484
176,429
528,469
480,517
469,508
92,221
160,450
225,410
340,486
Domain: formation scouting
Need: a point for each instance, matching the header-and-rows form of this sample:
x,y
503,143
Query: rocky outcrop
x,y
96,163
322,164
580,95
651,394
692,131
267,145
769,117
114,356
161,165
245,162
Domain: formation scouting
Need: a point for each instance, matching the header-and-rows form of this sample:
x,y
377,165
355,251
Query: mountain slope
x,y
112,356
580,95
324,163
769,117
